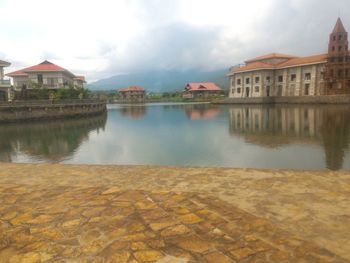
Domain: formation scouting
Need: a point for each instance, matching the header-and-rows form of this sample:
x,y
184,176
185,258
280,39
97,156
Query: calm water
x,y
305,137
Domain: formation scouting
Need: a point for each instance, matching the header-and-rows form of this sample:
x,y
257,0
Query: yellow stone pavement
x,y
82,213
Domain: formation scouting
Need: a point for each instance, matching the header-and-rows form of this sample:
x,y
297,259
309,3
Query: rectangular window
x,y
232,90
247,80
238,81
280,78
306,91
268,79
238,90
307,76
40,78
256,89
257,79
340,73
293,77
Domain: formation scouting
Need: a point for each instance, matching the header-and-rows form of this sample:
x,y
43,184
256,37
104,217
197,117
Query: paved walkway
x,y
62,213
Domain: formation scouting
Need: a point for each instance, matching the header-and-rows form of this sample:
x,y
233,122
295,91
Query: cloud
x,y
103,38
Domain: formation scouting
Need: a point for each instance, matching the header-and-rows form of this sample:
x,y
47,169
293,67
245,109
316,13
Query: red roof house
x,y
132,93
45,74
201,89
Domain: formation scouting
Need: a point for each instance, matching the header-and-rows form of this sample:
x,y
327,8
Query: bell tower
x,y
337,73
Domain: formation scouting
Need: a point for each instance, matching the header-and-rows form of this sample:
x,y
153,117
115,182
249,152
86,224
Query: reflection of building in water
x,y
135,112
48,141
197,112
276,126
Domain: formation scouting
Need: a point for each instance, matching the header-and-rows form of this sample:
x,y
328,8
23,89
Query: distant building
x,y
204,89
285,75
132,94
79,82
45,75
5,85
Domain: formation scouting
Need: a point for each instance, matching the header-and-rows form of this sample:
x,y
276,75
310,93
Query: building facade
x,y
204,89
45,75
286,75
5,84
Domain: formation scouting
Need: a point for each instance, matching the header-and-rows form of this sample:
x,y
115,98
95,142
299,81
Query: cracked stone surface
x,y
72,213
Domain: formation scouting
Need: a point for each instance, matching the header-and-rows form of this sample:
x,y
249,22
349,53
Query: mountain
x,y
161,81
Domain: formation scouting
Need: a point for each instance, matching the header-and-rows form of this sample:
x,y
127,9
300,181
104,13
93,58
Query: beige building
x,y
5,85
285,75
45,75
278,75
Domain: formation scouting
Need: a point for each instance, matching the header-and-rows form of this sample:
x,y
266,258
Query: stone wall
x,y
331,99
22,111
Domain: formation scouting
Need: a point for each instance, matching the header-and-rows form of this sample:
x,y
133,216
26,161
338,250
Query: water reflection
x,y
201,111
52,141
277,126
134,111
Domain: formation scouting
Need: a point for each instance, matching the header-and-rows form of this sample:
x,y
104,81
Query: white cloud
x,y
103,38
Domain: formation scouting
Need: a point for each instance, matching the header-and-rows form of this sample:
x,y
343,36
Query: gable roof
x,y
339,27
270,56
202,86
81,78
253,66
131,88
45,66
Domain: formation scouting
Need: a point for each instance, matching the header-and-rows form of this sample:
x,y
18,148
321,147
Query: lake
x,y
293,137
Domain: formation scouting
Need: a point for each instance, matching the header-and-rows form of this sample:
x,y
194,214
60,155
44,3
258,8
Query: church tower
x,y
337,73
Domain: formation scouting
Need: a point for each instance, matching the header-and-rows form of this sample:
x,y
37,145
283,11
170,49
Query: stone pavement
x,y
71,213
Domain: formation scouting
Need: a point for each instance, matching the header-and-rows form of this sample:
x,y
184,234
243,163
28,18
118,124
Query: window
x,y
340,59
340,73
339,48
268,79
280,78
238,90
333,38
306,91
247,80
257,79
339,37
40,78
293,77
346,72
232,90
239,81
307,76
333,48
256,89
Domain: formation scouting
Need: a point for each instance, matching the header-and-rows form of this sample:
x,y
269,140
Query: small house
x,y
204,89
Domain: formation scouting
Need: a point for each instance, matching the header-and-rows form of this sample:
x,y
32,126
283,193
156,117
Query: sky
x,y
103,38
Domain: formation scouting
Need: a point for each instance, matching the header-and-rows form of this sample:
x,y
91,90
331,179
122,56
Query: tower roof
x,y
339,28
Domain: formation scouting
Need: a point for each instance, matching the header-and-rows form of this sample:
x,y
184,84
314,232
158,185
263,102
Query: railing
x,y
5,82
50,102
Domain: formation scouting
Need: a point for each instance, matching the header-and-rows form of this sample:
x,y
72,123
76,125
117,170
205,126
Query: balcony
x,y
5,83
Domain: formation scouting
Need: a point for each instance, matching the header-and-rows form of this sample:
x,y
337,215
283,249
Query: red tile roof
x,y
254,66
202,86
304,61
339,27
293,62
45,66
131,88
270,56
82,78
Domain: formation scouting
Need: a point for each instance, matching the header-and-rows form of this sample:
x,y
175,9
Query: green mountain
x,y
161,81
